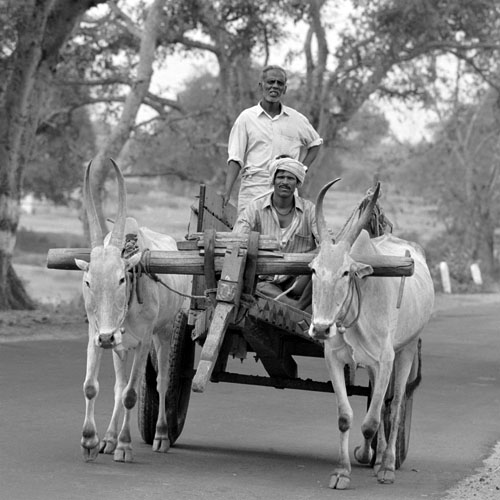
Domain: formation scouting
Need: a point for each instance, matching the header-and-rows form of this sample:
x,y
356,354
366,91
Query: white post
x,y
445,277
476,274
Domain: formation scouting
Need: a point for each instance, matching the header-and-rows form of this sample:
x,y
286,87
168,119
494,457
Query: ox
x,y
357,319
125,313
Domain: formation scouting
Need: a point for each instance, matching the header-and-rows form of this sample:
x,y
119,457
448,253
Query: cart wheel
x,y
403,439
181,363
147,404
181,370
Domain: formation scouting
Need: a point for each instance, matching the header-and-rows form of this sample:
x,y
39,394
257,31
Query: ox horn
x,y
95,230
320,219
117,238
364,218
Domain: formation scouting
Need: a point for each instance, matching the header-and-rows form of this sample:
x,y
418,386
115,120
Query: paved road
x,y
245,442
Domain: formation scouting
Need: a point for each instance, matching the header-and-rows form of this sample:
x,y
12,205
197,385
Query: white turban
x,y
295,167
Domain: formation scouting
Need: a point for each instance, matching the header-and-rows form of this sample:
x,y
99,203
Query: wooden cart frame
x,y
227,316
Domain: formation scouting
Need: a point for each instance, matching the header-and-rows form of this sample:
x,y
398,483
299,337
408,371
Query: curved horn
x,y
364,218
117,238
95,229
320,219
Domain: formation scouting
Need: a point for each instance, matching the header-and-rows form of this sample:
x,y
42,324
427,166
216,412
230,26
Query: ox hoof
x,y
363,457
161,444
123,455
340,481
108,446
90,454
386,476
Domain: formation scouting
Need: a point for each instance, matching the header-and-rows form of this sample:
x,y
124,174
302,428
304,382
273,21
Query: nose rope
x,y
354,285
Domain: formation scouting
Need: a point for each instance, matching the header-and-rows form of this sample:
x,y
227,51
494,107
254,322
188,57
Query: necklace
x,y
286,213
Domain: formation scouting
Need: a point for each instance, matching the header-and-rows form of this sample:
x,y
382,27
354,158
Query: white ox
x,y
119,321
360,325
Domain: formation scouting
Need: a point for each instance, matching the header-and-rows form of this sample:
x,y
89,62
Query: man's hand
x,y
225,198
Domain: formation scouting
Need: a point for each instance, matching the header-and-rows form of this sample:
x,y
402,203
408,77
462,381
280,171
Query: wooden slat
x,y
223,240
223,315
249,280
213,204
175,262
208,262
228,296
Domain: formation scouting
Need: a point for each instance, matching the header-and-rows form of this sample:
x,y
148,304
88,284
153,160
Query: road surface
x,y
243,442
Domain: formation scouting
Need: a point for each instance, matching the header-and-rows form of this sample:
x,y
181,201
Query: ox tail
x,y
412,385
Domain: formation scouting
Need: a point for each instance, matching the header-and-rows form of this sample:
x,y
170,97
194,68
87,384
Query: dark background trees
x,y
80,82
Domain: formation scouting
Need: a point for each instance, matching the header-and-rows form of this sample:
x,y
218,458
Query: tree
x,y
389,49
460,172
64,141
35,34
149,35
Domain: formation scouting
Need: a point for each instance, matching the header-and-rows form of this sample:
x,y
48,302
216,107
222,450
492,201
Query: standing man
x,y
264,132
290,219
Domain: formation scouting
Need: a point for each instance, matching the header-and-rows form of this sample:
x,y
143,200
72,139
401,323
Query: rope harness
x,y
354,287
130,248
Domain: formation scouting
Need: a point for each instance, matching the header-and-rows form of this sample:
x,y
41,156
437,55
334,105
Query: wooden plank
x,y
230,284
208,261
175,262
223,240
249,280
198,286
212,222
402,285
223,315
283,316
228,296
201,203
213,204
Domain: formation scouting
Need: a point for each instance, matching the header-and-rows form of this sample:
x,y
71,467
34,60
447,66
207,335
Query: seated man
x,y
291,220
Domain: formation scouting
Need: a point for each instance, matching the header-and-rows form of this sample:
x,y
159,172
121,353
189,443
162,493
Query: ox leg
x,y
161,441
90,439
109,443
341,476
380,376
381,441
402,368
123,451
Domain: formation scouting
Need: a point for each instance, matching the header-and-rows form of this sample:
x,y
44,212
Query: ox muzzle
x,y
111,340
321,330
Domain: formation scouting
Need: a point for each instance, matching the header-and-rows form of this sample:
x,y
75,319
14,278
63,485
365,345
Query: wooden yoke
x,y
228,297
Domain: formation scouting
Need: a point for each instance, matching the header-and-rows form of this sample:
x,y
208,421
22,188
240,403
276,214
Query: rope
x,y
353,285
154,277
144,267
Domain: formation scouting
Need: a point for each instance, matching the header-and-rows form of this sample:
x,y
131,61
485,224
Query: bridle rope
x,y
354,286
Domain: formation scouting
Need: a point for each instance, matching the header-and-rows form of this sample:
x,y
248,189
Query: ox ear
x,y
133,260
361,270
81,264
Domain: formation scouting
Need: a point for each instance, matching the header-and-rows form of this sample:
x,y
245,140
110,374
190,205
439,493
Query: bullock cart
x,y
227,317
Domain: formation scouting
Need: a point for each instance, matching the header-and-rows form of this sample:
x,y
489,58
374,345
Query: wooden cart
x,y
227,317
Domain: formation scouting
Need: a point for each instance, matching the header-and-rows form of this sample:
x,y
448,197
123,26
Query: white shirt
x,y
257,138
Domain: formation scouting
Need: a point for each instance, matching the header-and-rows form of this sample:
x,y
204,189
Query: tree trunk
x,y
120,134
42,27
